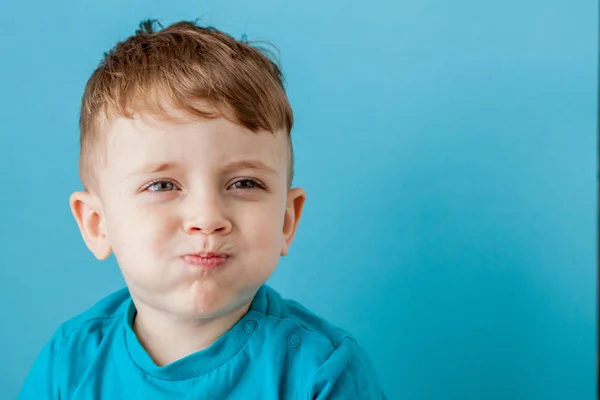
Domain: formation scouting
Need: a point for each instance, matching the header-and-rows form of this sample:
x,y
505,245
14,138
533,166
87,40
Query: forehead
x,y
195,143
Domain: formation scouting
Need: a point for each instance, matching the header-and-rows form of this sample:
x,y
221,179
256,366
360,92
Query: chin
x,y
207,303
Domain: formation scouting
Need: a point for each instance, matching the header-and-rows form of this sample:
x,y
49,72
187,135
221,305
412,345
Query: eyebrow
x,y
153,168
255,165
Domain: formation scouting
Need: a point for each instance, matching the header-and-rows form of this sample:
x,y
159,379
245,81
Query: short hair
x,y
200,71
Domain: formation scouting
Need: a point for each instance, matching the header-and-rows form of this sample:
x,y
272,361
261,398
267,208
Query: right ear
x,y
87,210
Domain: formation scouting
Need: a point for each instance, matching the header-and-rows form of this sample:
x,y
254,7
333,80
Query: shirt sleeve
x,y
42,381
347,374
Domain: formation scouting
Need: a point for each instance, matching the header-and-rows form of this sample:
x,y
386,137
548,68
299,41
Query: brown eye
x,y
246,184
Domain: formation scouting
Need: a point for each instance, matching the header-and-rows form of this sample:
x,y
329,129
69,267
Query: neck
x,y
168,339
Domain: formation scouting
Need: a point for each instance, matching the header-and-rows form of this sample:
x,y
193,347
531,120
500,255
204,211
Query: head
x,y
186,163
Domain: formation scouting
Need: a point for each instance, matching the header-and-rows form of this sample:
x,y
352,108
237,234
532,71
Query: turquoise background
x,y
449,152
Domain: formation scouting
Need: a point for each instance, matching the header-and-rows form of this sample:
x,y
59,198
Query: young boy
x,y
186,162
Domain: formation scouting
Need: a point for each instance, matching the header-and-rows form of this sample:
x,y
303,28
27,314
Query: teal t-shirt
x,y
278,350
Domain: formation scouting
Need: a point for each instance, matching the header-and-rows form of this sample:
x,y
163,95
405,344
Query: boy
x,y
186,162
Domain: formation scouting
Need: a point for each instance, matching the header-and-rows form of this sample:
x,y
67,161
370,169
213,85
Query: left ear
x,y
293,211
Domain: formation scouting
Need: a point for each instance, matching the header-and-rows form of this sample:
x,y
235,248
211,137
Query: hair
x,y
200,71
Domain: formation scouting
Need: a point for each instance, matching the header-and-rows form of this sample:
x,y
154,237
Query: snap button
x,y
293,340
250,326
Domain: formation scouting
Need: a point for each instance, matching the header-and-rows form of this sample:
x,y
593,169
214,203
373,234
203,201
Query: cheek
x,y
263,228
141,235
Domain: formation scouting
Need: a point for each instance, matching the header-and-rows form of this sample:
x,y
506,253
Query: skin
x,y
169,189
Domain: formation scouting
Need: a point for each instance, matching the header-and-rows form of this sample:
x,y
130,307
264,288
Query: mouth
x,y
206,260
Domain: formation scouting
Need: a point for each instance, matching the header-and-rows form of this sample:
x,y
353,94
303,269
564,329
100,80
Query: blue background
x,y
449,152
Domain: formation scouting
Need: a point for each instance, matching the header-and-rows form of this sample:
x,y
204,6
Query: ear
x,y
293,211
87,210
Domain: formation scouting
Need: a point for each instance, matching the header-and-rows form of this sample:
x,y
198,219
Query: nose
x,y
206,216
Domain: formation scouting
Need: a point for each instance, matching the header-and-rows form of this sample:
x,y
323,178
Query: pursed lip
x,y
208,254
207,260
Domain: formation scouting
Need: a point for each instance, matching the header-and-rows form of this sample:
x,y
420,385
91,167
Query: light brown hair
x,y
200,71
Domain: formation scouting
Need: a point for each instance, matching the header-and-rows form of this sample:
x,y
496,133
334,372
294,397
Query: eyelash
x,y
258,184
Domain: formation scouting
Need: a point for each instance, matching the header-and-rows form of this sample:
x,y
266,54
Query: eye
x,y
247,184
161,186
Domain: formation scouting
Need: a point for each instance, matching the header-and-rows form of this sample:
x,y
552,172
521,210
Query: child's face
x,y
170,190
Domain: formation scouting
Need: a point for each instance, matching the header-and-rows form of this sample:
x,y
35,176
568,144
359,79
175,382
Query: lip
x,y
205,260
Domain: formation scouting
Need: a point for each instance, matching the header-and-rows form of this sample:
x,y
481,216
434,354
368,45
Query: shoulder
x,y
348,373
84,333
68,353
290,315
335,364
95,321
